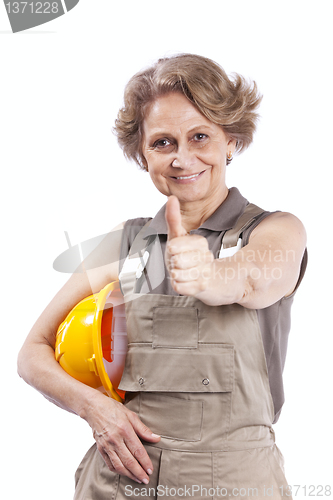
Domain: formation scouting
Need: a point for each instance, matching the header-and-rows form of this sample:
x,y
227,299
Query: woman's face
x,y
185,152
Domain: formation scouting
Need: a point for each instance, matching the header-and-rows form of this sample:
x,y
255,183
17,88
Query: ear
x,y
231,145
143,161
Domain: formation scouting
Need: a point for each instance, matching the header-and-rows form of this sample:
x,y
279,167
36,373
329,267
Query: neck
x,y
194,214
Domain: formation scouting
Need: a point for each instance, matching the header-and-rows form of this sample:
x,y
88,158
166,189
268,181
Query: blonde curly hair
x,y
230,102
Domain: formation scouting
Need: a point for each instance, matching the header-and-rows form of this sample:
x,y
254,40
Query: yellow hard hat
x,y
91,342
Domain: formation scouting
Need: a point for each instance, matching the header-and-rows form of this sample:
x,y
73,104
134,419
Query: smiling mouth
x,y
188,176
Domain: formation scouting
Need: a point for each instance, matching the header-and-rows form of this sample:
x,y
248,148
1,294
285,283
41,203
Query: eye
x,y
200,137
161,143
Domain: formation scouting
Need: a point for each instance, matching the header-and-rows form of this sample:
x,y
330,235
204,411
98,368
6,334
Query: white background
x,y
61,170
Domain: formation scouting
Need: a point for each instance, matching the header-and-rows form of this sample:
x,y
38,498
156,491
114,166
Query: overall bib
x,y
197,376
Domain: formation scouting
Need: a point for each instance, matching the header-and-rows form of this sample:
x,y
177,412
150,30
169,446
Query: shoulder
x,y
130,229
282,237
281,224
133,226
138,222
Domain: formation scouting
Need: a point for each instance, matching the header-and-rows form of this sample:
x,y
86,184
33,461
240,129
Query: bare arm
x,y
257,276
115,428
273,260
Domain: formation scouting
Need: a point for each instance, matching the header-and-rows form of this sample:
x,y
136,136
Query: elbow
x,y
26,363
21,364
249,293
256,284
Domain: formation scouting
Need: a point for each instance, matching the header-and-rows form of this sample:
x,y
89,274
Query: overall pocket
x,y
182,382
167,356
172,417
207,368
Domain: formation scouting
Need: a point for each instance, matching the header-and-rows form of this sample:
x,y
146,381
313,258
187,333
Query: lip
x,y
187,179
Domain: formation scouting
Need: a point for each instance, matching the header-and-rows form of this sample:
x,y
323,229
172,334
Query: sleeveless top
x,y
274,321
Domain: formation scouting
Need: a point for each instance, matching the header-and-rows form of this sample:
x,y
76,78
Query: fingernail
x,y
149,471
146,481
155,435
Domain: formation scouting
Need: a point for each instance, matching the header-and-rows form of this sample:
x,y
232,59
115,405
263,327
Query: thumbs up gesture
x,y
188,258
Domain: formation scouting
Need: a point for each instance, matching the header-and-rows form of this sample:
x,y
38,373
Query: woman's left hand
x,y
188,258
257,276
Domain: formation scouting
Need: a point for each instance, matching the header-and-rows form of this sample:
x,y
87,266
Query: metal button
x,y
141,381
205,381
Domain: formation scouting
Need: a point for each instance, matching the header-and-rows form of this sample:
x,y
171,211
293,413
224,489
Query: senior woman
x,y
207,320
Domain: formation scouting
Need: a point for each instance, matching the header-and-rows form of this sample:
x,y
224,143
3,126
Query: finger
x,y
197,277
187,260
121,456
185,275
114,465
190,288
134,458
135,445
173,218
193,242
141,429
129,455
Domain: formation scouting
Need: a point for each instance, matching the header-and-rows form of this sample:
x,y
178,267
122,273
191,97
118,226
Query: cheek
x,y
155,173
156,164
214,154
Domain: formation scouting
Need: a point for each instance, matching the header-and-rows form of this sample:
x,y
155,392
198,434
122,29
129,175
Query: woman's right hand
x,y
117,431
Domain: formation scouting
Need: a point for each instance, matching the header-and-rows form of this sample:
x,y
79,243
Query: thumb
x,y
173,218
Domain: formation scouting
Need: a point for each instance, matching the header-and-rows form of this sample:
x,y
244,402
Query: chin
x,y
190,197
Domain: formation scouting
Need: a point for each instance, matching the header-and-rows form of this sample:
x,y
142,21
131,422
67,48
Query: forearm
x,y
257,276
248,279
226,281
38,367
115,428
36,361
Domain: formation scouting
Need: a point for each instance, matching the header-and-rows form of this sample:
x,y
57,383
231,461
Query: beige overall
x,y
196,375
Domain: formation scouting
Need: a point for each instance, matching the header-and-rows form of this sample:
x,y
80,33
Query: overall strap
x,y
135,262
250,214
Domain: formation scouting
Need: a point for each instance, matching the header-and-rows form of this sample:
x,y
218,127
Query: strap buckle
x,y
134,265
230,251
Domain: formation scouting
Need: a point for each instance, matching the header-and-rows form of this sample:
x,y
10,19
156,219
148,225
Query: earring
x,y
229,156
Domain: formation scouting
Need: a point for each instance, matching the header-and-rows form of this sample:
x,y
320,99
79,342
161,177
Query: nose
x,y
183,158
